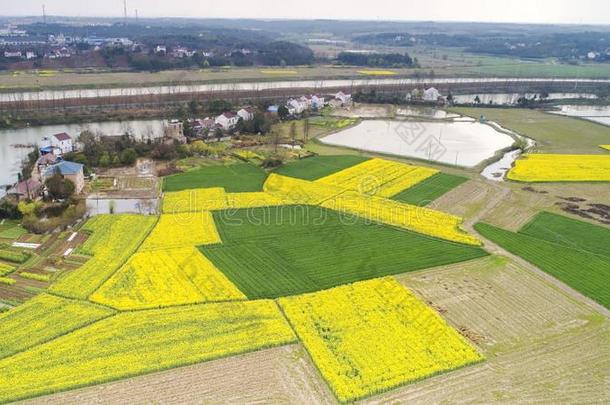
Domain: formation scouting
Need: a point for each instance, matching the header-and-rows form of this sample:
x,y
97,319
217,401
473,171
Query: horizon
x,y
587,12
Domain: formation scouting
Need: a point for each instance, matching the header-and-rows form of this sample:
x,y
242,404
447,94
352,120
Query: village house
x,y
16,54
246,114
69,171
345,99
227,120
47,158
431,94
296,106
62,142
161,49
28,189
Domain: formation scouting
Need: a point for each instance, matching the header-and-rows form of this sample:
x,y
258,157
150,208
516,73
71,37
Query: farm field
x,y
133,343
236,178
557,353
291,250
182,230
430,189
355,335
316,167
383,178
114,238
569,232
153,279
44,318
544,168
281,375
582,270
553,133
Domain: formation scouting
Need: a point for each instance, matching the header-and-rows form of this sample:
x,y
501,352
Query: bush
x,y
272,162
9,211
128,156
59,188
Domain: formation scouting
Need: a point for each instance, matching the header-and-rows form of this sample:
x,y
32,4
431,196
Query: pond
x,y
15,144
595,113
458,143
512,98
98,206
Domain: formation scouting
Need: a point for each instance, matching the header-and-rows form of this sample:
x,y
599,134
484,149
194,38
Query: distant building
x,y
273,109
68,170
227,120
246,114
63,142
296,106
175,130
16,54
30,55
431,94
345,99
161,49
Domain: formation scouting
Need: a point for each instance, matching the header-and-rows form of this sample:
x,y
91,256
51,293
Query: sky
x,y
529,11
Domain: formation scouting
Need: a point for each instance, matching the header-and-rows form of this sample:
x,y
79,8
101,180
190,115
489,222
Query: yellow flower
x,y
375,335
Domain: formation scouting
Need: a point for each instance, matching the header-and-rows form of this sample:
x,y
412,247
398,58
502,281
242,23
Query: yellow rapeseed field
x,y
113,240
182,230
383,178
253,200
197,200
43,318
418,219
297,191
549,168
372,336
607,147
133,343
377,72
163,278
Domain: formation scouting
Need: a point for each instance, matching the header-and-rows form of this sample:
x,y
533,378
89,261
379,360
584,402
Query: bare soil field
x,y
541,345
282,375
512,205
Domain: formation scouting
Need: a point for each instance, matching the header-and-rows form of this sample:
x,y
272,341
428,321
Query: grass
x,y
233,178
430,189
273,252
553,133
44,318
12,255
11,231
316,167
569,232
582,270
134,343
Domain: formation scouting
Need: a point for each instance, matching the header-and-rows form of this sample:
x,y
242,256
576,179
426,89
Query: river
x,y
255,86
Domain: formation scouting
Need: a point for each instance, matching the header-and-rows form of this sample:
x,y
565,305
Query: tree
x,y
283,112
477,100
105,159
128,156
293,132
59,188
306,130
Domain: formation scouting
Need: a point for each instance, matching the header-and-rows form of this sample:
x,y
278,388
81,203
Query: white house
x,y
161,49
62,142
246,114
315,102
227,120
296,106
431,94
30,55
343,98
16,54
